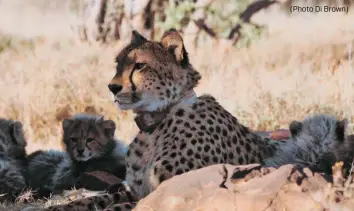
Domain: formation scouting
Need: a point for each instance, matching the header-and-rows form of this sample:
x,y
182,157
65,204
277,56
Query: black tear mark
x,y
131,81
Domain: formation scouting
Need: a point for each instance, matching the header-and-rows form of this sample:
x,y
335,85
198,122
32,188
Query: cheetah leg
x,y
94,203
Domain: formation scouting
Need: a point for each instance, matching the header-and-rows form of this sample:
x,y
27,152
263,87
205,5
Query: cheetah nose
x,y
80,151
115,88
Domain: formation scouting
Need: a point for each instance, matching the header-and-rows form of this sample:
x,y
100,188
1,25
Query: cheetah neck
x,y
148,121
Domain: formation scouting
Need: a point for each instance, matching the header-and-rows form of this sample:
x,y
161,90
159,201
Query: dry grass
x,y
304,65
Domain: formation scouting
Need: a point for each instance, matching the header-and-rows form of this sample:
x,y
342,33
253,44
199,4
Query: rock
x,y
191,190
249,188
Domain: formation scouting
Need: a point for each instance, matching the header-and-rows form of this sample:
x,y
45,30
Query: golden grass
x,y
301,67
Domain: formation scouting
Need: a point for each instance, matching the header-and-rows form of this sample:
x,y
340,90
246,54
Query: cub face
x,y
322,129
151,75
12,139
329,139
87,136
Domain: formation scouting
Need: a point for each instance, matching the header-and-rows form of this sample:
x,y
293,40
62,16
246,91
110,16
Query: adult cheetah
x,y
179,131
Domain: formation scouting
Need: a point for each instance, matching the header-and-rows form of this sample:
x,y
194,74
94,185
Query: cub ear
x,y
295,128
66,123
137,38
173,41
17,133
108,127
341,128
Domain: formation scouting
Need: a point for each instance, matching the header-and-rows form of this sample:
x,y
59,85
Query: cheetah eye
x,y
89,140
139,66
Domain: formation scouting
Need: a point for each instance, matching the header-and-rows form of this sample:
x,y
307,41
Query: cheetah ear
x,y
173,41
108,127
137,38
66,123
295,128
341,128
17,133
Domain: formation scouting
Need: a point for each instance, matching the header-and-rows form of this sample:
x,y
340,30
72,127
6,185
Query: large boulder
x,y
251,188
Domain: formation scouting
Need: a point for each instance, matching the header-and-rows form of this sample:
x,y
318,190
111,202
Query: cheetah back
x,y
191,137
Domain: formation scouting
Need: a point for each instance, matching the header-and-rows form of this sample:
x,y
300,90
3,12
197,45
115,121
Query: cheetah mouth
x,y
82,157
121,102
127,100
124,105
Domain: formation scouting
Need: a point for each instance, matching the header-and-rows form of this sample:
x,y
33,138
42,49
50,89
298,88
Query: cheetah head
x,y
321,129
152,75
88,137
12,139
328,138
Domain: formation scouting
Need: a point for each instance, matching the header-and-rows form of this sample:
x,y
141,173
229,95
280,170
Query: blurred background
x,y
266,65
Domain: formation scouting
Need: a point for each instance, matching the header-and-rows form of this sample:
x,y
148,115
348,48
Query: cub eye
x,y
89,140
139,66
74,140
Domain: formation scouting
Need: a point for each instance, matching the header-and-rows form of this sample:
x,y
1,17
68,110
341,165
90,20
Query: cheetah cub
x,y
12,159
316,142
90,146
331,143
